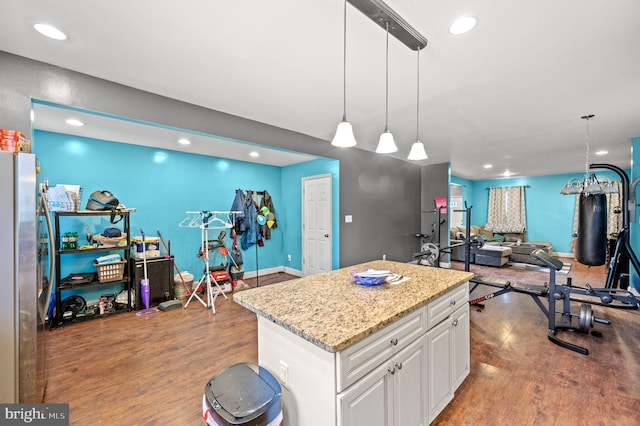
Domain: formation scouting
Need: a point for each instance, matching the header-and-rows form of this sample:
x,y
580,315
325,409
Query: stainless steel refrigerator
x,y
25,273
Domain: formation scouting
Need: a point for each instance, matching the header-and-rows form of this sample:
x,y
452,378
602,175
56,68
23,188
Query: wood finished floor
x,y
151,370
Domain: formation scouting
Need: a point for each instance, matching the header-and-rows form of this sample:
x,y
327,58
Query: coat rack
x,y
250,194
207,220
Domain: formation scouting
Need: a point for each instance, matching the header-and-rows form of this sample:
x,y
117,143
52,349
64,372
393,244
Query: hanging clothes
x,y
239,204
272,223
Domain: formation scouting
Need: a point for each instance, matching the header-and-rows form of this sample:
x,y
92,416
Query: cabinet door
x,y
369,401
410,385
440,368
461,349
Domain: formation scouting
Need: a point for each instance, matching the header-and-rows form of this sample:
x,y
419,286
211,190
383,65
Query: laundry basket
x,y
109,272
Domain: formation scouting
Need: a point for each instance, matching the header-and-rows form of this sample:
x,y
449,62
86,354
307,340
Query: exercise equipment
x,y
429,254
554,292
591,244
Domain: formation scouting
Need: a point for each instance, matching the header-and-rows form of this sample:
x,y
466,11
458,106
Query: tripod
x,y
207,277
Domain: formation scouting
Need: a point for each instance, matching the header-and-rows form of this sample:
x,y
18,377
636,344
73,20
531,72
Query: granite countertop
x,y
332,312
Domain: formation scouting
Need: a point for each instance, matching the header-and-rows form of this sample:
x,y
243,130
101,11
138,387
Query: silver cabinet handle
x,y
453,302
391,370
455,322
394,342
398,365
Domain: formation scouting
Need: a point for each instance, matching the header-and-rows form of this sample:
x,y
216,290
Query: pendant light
x,y
417,149
344,137
386,145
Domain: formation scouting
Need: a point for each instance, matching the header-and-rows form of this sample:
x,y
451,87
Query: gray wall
x,y
382,194
435,183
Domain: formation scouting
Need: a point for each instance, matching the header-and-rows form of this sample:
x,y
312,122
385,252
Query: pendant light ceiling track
x,y
380,13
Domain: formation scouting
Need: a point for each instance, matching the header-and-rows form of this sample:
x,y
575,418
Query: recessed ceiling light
x,y
463,25
254,154
602,152
49,31
74,122
184,141
507,173
488,166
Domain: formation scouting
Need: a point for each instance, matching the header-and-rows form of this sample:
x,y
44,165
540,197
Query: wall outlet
x,y
284,374
384,257
289,257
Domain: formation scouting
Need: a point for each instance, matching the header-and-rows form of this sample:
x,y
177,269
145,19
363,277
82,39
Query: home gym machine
x,y
430,253
614,298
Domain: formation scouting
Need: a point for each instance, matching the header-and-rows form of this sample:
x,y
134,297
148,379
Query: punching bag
x,y
591,244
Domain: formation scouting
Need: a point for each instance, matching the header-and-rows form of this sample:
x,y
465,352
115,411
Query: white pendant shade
x,y
386,145
344,137
417,151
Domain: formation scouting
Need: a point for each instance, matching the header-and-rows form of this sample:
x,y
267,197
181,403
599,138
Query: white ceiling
x,y
510,93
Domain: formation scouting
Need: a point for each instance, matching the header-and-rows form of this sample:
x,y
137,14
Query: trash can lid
x,y
242,392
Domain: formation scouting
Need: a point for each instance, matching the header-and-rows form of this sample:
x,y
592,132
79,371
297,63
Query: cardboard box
x,y
14,141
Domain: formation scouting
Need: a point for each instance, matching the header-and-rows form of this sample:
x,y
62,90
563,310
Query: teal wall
x,y
292,196
161,185
549,213
633,222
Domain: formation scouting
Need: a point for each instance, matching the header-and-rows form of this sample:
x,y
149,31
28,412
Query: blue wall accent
x,y
634,228
161,185
549,213
292,196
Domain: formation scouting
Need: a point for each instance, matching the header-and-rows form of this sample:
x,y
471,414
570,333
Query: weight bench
x,y
533,290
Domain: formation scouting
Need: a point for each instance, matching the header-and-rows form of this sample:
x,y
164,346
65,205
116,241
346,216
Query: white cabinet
x,y
403,374
448,358
461,345
440,369
391,394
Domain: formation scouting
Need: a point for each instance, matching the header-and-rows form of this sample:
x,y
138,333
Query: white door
x,y
316,224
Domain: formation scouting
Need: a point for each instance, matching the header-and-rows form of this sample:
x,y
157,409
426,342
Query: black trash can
x,y
242,394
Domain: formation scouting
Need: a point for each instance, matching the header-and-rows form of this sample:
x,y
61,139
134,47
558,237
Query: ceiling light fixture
x,y
50,31
386,145
417,149
184,141
488,166
463,25
254,154
590,184
74,122
602,152
344,137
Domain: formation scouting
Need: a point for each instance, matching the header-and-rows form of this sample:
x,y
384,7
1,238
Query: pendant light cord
x,y
418,102
386,114
344,64
586,143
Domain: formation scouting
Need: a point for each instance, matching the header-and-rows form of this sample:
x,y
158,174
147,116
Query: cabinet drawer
x,y
359,359
443,306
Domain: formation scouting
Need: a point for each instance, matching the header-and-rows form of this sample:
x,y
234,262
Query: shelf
x,y
94,212
91,250
91,279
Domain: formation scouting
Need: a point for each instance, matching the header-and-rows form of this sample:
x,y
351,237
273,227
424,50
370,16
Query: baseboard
x,y
274,270
560,254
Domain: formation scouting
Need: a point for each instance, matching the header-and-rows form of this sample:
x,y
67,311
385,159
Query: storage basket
x,y
108,272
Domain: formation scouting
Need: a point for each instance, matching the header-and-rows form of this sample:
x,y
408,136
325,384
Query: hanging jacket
x,y
250,234
267,202
239,205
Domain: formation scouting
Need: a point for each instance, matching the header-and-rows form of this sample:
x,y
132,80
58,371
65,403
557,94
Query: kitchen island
x,y
347,354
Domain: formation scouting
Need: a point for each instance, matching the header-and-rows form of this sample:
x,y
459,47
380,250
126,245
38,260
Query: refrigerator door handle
x,y
52,264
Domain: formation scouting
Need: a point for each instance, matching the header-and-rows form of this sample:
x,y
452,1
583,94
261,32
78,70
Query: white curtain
x,y
506,210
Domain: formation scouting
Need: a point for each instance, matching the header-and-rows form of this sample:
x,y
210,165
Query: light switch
x,y
348,218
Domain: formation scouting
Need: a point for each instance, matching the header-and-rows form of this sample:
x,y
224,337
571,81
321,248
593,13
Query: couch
x,y
498,249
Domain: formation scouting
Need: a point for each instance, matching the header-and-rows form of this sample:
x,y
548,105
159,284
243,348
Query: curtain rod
x,y
517,186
